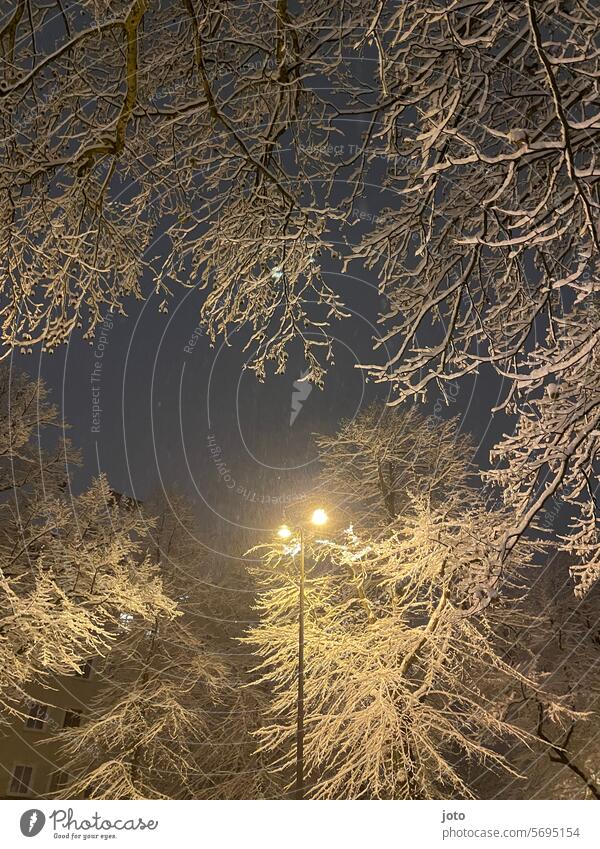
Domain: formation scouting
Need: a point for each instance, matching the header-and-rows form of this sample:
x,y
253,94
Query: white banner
x,y
278,825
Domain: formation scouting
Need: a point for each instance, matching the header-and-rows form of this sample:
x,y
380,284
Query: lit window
x,y
125,621
20,783
72,719
38,714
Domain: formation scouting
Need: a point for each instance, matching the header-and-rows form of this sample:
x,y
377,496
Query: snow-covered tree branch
x,y
148,146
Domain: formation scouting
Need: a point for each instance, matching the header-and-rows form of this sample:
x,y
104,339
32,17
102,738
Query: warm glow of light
x,y
319,517
284,532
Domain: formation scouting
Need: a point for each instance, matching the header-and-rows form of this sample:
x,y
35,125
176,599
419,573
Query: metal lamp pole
x,y
319,517
300,704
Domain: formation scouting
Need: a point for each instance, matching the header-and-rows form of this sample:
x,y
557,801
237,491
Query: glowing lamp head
x,y
319,517
284,532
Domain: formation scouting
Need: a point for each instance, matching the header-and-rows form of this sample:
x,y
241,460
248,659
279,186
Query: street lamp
x,y
318,518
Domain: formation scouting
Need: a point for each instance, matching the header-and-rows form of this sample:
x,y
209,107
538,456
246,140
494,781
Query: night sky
x,y
168,399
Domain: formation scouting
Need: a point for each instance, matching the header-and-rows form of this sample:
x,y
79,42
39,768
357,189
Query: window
x,y
38,714
58,780
20,783
72,719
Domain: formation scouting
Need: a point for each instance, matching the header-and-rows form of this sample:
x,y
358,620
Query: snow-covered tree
x,y
70,565
223,134
553,454
171,718
488,251
401,644
382,458
558,641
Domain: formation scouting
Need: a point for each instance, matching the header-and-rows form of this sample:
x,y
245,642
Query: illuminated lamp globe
x,y
319,517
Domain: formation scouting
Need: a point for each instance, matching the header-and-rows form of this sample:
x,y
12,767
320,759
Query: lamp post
x,y
319,517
